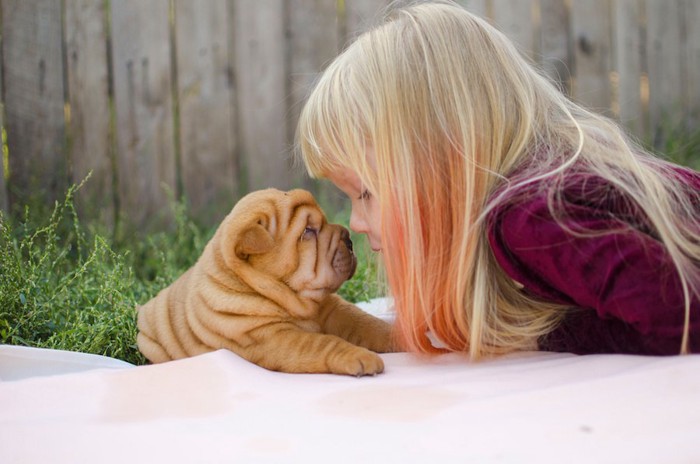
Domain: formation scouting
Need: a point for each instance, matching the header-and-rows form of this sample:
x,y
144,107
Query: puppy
x,y
264,289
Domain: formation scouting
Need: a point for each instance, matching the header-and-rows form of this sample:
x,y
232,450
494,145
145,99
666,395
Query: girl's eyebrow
x,y
355,183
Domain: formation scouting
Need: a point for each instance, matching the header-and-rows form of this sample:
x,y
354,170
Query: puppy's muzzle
x,y
344,260
347,241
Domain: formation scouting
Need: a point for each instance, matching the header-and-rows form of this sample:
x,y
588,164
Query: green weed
x,y
61,289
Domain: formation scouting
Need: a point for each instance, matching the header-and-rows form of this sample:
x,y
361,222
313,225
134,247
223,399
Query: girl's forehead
x,y
344,176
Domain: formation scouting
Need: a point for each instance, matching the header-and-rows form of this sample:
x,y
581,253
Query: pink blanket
x,y
531,407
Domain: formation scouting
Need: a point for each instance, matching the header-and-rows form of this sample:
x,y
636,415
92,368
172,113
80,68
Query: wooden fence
x,y
200,97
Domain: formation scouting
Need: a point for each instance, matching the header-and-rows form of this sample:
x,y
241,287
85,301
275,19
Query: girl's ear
x,y
253,240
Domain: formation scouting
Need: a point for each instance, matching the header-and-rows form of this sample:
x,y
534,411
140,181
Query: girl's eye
x,y
364,195
309,233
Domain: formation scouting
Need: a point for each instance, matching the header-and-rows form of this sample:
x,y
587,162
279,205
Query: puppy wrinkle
x,y
165,325
232,285
273,227
211,340
251,306
145,340
277,325
276,291
151,349
290,235
154,322
289,349
181,294
332,247
156,353
235,327
299,210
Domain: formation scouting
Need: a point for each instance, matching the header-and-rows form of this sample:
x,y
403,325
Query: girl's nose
x,y
358,223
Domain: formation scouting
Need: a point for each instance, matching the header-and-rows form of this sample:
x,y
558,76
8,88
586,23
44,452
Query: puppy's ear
x,y
254,240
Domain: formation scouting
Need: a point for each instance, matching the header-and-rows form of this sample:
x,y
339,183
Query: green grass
x,y
67,286
683,147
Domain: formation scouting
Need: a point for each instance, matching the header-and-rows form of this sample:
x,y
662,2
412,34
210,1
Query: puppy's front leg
x,y
338,317
287,348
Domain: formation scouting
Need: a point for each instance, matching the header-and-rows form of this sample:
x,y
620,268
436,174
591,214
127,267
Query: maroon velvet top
x,y
627,293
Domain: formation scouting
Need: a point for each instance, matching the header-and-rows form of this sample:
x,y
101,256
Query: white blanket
x,y
530,407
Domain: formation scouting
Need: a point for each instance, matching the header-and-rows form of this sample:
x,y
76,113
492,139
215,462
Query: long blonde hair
x,y
452,110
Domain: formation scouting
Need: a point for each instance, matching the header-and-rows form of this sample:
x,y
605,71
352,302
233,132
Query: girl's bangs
x,y
331,129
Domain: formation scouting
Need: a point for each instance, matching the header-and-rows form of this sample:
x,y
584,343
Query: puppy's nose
x,y
345,237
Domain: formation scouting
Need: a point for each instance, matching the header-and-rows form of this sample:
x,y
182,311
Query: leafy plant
x,y
63,290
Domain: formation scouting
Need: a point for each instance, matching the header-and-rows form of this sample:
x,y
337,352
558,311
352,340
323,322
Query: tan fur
x,y
264,289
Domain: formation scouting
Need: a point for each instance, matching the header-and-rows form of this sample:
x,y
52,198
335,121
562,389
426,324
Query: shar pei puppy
x,y
264,288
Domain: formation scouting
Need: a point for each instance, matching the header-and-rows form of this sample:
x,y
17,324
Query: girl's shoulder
x,y
580,195
556,224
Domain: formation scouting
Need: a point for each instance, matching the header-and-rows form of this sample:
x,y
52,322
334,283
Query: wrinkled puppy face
x,y
286,236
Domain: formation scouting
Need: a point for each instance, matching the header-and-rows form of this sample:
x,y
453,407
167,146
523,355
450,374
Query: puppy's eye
x,y
309,233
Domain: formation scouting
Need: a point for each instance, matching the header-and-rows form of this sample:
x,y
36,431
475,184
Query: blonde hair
x,y
453,111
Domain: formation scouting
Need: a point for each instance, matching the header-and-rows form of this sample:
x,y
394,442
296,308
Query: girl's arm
x,y
627,278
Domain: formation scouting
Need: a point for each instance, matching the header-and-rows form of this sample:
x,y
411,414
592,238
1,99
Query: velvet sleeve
x,y
624,279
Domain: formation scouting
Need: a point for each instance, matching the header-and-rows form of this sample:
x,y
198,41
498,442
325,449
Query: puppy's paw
x,y
356,361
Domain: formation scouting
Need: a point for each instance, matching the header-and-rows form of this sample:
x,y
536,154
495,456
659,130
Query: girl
x,y
509,218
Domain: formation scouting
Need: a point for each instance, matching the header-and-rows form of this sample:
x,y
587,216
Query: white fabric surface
x,y
530,407
21,362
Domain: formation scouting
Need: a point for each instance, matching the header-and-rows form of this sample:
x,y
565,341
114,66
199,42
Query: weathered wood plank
x,y
627,54
205,95
555,46
691,60
314,37
144,108
592,53
90,149
3,185
664,65
515,19
361,15
478,7
260,71
34,99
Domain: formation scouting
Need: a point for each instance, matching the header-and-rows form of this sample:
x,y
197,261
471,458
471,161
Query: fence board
x,y
478,7
143,105
33,80
515,19
664,58
314,36
88,96
3,185
259,36
627,51
555,46
205,95
361,15
592,54
691,42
